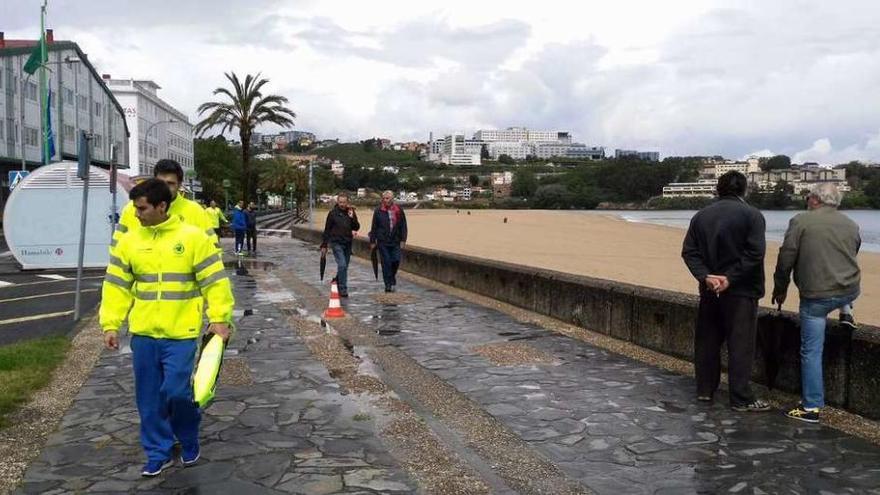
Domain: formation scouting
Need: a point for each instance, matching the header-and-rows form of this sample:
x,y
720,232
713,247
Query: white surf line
x,y
54,277
35,317
5,284
48,282
37,296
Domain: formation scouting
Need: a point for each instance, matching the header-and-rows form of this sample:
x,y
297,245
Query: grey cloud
x,y
413,44
222,14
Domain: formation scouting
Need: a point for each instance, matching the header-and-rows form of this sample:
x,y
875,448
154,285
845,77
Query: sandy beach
x,y
594,245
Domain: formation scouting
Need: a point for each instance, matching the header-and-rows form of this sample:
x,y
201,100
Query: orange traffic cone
x,y
334,310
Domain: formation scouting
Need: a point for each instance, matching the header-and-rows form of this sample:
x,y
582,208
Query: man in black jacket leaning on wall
x,y
341,222
724,250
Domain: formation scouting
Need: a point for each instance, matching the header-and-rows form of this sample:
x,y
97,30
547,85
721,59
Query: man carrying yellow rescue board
x,y
160,276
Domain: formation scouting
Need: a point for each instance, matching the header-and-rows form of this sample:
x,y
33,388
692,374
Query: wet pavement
x,y
283,424
284,427
616,425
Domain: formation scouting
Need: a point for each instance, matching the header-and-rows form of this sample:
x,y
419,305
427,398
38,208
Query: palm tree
x,y
244,108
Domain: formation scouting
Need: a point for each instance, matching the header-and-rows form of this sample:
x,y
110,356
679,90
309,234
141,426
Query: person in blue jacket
x,y
239,226
388,235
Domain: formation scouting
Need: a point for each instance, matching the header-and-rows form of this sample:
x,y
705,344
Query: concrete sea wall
x,y
656,319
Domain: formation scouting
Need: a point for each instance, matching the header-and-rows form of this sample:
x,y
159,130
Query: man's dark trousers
x,y
726,318
390,256
252,238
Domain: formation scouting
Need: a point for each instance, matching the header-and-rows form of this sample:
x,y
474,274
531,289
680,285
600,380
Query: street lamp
x,y
149,130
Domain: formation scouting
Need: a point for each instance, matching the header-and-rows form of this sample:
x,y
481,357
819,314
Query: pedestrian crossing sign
x,y
15,177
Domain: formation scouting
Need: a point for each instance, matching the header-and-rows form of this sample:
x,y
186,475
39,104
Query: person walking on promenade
x,y
820,247
171,173
251,217
724,250
160,278
239,226
388,235
215,214
341,222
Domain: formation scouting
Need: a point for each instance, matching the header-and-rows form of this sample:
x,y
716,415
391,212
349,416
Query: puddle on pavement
x,y
243,267
672,407
508,334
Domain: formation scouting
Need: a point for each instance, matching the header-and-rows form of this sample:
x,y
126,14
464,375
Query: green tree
x,y
872,191
244,108
474,180
215,160
506,159
484,152
553,197
524,184
775,163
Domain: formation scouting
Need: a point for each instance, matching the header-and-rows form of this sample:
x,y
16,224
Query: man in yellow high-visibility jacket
x,y
171,173
216,216
160,277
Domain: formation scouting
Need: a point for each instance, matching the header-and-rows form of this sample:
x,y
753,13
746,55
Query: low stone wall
x,y
655,319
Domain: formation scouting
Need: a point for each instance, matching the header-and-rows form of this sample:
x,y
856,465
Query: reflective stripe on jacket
x,y
189,211
160,278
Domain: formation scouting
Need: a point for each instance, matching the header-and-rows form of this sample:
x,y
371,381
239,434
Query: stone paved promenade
x,y
608,424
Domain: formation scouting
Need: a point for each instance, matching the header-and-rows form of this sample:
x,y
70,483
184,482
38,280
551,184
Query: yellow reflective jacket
x,y
189,211
215,215
164,275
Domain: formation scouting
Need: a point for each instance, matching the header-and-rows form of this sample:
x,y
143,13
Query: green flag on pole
x,y
36,59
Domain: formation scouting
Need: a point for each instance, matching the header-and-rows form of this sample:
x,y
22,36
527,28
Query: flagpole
x,y
44,96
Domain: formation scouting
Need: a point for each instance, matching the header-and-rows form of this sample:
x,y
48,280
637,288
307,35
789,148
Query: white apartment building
x,y
700,189
337,168
158,130
745,168
457,151
79,101
801,179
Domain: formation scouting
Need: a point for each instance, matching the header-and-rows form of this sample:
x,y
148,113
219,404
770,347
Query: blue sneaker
x,y
155,468
189,458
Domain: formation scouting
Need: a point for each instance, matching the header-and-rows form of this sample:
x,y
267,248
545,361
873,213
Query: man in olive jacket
x,y
820,247
724,250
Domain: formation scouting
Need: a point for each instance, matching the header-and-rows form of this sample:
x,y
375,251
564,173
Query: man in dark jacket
x,y
724,250
251,217
341,223
388,235
820,247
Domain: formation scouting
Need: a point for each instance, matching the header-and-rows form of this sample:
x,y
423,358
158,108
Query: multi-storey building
x,y
516,134
457,150
650,156
79,100
158,130
568,150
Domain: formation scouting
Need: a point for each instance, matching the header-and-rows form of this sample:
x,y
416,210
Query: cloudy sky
x,y
800,77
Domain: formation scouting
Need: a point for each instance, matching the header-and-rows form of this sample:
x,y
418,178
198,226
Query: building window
x,y
97,109
140,148
83,103
69,132
1,132
99,141
30,91
68,97
31,136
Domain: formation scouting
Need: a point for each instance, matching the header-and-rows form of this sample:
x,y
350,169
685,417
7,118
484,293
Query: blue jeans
x,y
342,254
813,314
163,371
239,240
390,256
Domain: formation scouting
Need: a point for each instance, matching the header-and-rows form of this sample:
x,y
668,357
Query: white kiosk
x,y
42,217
